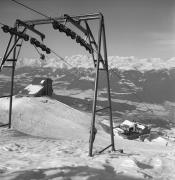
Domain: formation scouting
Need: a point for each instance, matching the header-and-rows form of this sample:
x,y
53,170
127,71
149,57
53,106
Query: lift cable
x,y
38,51
62,59
138,97
27,7
88,104
2,24
126,85
118,75
46,16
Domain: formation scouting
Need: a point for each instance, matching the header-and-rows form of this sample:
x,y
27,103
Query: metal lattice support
x,y
11,50
98,50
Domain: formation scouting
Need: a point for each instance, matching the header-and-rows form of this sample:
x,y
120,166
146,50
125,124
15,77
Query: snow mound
x,y
45,117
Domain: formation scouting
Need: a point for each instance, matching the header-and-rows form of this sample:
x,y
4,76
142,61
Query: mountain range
x,y
141,80
120,63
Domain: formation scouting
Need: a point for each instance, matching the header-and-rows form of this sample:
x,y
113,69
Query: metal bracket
x,y
31,28
75,23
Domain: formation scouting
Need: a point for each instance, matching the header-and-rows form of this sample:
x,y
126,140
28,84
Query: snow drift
x,y
46,117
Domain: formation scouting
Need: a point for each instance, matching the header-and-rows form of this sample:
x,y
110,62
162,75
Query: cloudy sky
x,y
141,28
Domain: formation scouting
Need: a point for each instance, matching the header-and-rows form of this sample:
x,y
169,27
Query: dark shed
x,y
40,86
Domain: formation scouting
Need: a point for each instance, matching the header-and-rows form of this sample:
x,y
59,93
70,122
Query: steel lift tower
x,y
97,49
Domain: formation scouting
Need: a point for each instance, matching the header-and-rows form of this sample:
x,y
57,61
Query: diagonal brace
x,y
75,23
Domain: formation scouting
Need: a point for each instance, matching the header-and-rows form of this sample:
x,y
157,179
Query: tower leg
x,y
95,91
11,93
108,88
12,81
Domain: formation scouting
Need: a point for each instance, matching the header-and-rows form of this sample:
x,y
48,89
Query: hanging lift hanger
x,y
42,56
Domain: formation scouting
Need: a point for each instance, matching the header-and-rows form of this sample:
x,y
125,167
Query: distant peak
x,y
84,61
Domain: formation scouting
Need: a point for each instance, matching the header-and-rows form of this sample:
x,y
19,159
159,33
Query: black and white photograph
x,y
87,89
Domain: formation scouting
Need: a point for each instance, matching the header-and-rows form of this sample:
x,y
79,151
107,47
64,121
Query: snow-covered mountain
x,y
121,63
76,61
153,80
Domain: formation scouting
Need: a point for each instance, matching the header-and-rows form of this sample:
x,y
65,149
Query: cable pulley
x,y
36,43
5,28
13,31
42,56
70,33
82,42
62,28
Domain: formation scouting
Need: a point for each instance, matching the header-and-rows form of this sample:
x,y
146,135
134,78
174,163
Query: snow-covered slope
x,y
66,157
45,117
